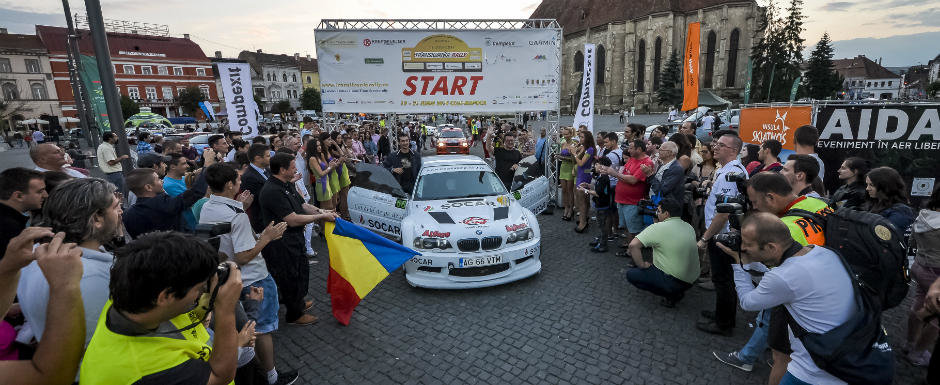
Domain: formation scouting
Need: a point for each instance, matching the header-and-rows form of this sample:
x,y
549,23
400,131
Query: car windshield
x,y
458,184
451,134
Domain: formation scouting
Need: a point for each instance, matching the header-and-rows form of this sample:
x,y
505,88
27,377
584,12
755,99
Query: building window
x,y
889,84
146,70
9,91
641,66
578,61
657,61
39,91
133,93
32,66
294,78
259,92
200,72
5,65
601,63
309,80
178,71
284,78
869,84
168,93
204,89
129,69
179,90
162,70
151,92
882,84
732,58
709,59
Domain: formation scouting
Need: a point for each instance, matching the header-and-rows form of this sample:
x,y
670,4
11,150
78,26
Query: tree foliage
x,y
128,106
777,53
310,99
281,107
822,81
189,100
669,92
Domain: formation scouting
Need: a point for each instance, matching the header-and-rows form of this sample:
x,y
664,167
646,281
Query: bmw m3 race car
x,y
470,230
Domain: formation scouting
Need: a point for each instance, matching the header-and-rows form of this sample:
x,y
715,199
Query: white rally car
x,y
470,231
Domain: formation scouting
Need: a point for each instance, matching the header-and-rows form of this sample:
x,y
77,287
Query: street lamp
x,y
633,92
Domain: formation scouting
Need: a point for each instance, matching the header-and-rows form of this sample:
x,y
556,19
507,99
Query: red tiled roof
x,y
173,47
308,65
578,15
862,67
10,41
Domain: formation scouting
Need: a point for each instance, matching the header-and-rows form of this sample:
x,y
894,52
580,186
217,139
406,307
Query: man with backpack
x,y
810,282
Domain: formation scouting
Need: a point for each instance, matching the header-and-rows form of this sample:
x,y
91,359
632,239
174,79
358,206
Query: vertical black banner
x,y
905,137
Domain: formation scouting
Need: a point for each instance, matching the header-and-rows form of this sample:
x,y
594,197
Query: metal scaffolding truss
x,y
436,24
126,26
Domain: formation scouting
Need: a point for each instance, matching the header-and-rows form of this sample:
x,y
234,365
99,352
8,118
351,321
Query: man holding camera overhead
x,y
721,320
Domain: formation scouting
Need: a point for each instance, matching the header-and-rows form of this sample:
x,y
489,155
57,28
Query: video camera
x,y
211,232
735,206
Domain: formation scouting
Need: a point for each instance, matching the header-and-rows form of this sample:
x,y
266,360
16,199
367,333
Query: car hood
x,y
494,215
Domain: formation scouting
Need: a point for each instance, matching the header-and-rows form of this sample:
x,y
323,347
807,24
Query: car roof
x,y
450,160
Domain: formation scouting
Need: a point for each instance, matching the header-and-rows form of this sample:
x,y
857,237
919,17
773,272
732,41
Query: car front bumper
x,y
443,270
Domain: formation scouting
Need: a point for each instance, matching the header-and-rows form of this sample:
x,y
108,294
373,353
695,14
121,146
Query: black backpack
x,y
856,351
873,248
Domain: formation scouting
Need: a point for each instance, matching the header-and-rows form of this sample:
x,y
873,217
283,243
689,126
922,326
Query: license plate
x,y
481,261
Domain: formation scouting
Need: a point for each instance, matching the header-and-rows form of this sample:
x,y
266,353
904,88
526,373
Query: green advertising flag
x,y
747,85
796,86
92,81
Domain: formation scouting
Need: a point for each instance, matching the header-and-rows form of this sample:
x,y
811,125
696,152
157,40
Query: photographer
x,y
721,321
243,247
675,257
151,331
810,281
770,192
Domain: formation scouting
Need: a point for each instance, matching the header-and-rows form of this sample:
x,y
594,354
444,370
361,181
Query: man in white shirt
x,y
109,162
809,281
721,321
708,121
49,157
242,246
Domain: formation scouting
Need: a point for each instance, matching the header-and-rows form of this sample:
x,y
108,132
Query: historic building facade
x,y
634,41
279,78
26,85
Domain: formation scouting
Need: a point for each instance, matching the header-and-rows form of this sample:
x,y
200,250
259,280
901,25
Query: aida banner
x,y
690,68
905,137
239,99
584,115
439,71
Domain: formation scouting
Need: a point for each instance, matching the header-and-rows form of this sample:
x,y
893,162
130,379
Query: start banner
x,y
759,124
905,137
376,71
239,99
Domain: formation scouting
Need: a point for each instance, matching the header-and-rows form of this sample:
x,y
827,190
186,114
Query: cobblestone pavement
x,y
578,321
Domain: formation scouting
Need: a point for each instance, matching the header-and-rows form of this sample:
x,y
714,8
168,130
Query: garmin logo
x,y
541,42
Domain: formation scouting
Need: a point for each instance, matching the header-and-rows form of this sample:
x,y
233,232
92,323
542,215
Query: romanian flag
x,y
359,260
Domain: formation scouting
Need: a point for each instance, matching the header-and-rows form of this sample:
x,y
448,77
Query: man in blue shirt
x,y
174,182
540,146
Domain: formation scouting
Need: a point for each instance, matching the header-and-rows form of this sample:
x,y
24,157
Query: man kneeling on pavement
x,y
675,263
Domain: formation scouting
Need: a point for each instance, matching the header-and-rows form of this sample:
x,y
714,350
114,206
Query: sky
x,y
896,30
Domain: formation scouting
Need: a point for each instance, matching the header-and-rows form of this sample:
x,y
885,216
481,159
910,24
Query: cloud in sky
x,y
286,26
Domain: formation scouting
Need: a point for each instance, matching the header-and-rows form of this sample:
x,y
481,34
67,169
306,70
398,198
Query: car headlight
x,y
520,235
431,243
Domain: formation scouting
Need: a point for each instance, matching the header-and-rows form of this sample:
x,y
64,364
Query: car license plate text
x,y
481,261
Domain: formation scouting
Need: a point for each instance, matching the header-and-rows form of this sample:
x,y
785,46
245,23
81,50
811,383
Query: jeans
x,y
758,341
657,282
789,379
726,299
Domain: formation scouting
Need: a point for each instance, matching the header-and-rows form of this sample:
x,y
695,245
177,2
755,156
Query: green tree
x,y
128,106
670,90
933,89
189,100
822,81
310,99
776,55
281,107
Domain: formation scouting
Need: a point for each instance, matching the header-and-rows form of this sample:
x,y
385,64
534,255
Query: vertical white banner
x,y
239,100
584,115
